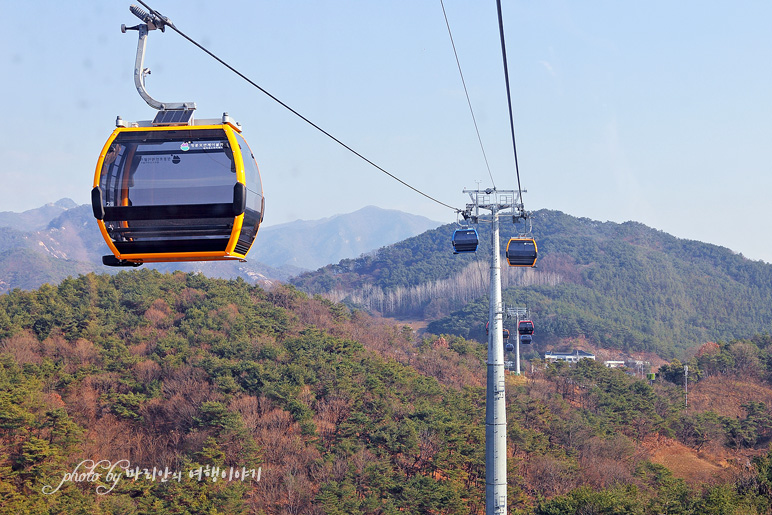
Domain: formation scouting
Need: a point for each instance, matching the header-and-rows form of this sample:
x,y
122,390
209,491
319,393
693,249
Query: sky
x,y
658,112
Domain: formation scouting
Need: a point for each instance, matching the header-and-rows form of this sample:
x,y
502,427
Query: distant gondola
x,y
509,347
465,240
504,332
526,339
525,327
521,252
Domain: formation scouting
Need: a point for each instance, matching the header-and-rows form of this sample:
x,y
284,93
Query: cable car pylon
x,y
518,313
498,202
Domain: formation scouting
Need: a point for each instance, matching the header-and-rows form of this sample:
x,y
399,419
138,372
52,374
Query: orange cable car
x,y
177,193
521,252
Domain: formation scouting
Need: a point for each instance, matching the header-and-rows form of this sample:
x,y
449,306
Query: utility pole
x,y
498,203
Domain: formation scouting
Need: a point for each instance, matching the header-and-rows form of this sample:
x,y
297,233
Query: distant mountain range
x,y
61,239
35,219
315,243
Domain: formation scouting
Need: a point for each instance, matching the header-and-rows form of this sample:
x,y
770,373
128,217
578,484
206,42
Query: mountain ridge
x,y
62,239
343,236
37,218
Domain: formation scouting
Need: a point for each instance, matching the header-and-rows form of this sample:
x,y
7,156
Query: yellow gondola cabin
x,y
182,192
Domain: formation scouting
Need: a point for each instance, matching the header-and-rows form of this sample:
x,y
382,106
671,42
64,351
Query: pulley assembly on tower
x,y
521,250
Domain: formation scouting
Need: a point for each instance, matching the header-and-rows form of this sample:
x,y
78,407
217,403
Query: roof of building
x,y
576,353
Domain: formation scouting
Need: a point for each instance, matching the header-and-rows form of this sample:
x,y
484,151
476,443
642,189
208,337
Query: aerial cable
x,y
468,101
166,21
509,97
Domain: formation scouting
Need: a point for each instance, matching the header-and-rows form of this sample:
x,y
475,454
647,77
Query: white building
x,y
569,357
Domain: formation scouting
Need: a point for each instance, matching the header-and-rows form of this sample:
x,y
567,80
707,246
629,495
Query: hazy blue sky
x,y
657,111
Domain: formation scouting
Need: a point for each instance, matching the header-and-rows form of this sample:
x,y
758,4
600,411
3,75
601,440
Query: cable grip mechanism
x,y
151,21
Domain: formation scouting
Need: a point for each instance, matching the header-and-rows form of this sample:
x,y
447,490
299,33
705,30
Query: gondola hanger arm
x,y
151,21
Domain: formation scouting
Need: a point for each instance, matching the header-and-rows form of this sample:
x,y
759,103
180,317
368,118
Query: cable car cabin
x,y
465,240
525,327
526,339
177,193
504,332
521,252
509,347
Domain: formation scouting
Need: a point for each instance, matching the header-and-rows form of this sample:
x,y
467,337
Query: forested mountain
x,y
341,413
623,286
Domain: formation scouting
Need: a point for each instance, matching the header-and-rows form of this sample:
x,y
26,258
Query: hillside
x,y
623,286
175,370
340,412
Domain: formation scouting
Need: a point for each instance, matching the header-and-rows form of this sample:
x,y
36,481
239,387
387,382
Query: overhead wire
x,y
509,97
169,23
466,92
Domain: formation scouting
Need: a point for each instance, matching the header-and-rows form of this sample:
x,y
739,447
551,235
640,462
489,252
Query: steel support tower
x,y
498,202
517,313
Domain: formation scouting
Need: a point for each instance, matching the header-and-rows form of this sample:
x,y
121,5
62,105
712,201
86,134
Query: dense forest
x,y
623,286
341,412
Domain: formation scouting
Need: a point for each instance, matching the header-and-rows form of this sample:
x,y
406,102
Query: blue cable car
x,y
510,347
521,252
465,240
526,339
